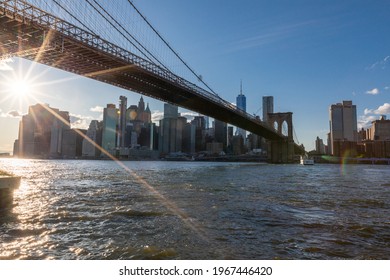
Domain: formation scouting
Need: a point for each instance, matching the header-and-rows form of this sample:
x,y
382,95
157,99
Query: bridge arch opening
x,y
276,125
285,131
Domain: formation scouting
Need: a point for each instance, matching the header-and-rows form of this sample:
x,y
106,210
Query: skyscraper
x,y
36,129
171,130
110,123
94,134
122,121
241,104
268,106
220,133
59,126
343,125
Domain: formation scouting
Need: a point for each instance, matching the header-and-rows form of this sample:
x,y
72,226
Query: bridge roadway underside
x,y
52,48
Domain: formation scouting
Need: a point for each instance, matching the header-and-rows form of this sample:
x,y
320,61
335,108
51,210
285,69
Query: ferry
x,y
306,161
8,183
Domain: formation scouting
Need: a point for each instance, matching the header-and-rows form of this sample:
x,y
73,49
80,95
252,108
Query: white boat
x,y
306,161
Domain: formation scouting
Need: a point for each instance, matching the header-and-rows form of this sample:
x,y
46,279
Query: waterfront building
x,y
241,104
238,145
171,130
35,130
376,139
220,133
94,134
59,125
171,111
72,142
320,147
110,124
122,121
200,126
214,148
138,120
268,107
230,135
254,142
190,138
143,114
379,130
343,128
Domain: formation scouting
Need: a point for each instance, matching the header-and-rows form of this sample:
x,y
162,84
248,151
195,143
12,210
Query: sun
x,y
19,88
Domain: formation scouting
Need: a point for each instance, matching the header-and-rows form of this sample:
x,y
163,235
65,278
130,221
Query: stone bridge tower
x,y
281,151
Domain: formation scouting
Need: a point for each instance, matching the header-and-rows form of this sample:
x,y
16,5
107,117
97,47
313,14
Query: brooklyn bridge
x,y
36,34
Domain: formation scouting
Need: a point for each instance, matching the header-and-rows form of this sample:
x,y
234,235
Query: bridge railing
x,y
29,14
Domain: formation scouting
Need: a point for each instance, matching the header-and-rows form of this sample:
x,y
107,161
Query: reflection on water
x,y
195,210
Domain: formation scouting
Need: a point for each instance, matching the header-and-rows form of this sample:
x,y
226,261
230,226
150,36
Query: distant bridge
x,y
29,32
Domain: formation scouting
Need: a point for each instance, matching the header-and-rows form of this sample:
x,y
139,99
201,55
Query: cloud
x,y
10,114
189,115
80,122
380,64
365,121
374,91
14,114
4,66
97,109
371,115
270,34
157,116
383,110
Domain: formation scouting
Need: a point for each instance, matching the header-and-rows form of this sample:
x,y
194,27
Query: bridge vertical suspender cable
x,y
72,16
169,46
128,33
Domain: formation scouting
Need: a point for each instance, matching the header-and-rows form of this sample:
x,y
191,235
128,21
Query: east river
x,y
196,210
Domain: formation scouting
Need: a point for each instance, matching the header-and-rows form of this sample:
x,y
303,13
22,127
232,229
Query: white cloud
x,y
80,122
189,115
97,109
381,63
371,115
374,91
365,121
157,115
4,66
383,110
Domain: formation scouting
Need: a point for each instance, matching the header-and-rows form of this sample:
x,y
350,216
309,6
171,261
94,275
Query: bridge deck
x,y
31,33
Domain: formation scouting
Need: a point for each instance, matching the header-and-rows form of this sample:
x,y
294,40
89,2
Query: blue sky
x,y
307,54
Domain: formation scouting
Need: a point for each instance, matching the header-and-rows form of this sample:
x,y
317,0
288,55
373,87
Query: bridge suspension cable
x,y
122,23
199,77
139,46
72,16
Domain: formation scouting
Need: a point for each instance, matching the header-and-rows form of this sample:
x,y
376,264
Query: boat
x,y
8,182
305,160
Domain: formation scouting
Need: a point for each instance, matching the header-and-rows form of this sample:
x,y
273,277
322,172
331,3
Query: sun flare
x,y
19,88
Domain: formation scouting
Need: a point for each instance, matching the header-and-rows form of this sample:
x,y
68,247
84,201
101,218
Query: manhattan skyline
x,y
307,55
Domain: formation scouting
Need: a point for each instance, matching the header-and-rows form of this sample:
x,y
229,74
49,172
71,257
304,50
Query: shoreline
x,y
317,159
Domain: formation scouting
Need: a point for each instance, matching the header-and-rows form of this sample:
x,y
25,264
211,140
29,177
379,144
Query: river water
x,y
196,210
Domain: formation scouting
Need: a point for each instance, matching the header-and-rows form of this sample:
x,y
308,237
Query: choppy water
x,y
196,210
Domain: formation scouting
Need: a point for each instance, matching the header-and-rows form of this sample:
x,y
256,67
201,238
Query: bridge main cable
x,y
169,46
128,33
